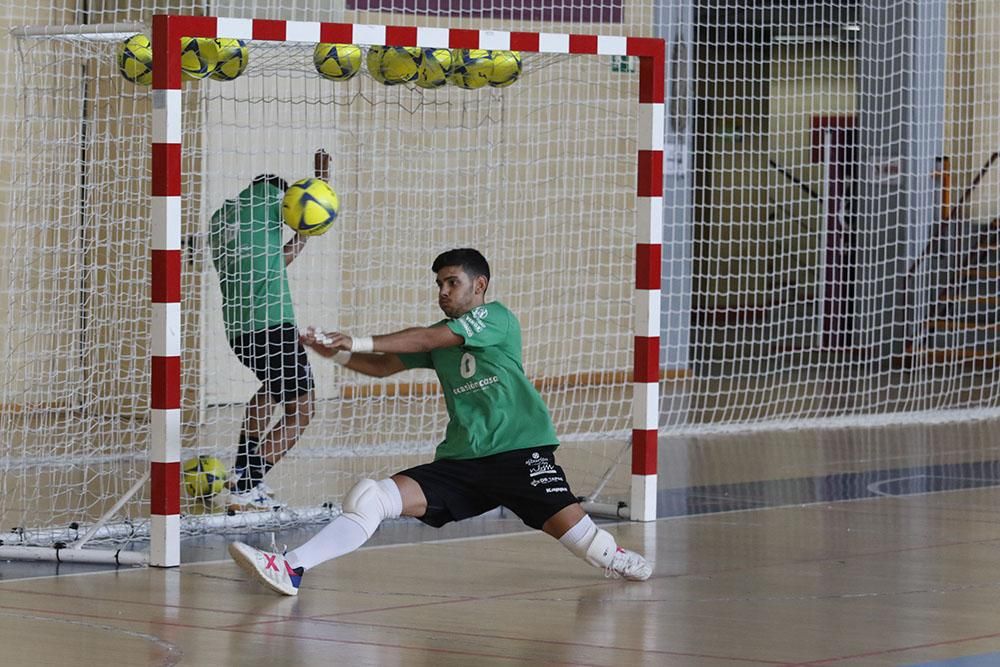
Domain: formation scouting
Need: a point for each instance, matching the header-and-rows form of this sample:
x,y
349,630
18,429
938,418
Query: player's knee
x,y
369,502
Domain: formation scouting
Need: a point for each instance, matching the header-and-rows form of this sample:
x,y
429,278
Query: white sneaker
x,y
235,474
254,500
270,569
628,565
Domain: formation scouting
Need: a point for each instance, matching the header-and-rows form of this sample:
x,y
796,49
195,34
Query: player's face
x,y
457,292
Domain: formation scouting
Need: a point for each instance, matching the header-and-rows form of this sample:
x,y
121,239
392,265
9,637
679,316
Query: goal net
x,y
540,175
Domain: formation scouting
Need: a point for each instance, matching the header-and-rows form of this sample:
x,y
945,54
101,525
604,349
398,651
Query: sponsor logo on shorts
x,y
546,480
539,465
556,489
541,469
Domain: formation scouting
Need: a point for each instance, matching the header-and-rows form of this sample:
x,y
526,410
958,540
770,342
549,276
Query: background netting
x,y
830,240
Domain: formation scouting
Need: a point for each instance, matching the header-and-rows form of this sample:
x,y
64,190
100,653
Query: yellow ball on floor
x,y
204,477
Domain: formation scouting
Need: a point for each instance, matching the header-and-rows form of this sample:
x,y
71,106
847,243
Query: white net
x,y
829,249
540,176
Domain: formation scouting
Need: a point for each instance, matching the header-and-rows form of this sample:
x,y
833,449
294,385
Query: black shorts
x,y
278,360
526,481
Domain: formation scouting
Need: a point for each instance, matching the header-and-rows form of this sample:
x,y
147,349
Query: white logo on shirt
x,y
467,366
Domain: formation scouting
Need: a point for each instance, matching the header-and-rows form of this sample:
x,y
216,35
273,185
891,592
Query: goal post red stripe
x,y
583,44
524,41
267,29
164,488
400,36
166,170
644,454
165,269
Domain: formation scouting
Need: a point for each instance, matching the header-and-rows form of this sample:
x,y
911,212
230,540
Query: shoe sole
x,y
244,556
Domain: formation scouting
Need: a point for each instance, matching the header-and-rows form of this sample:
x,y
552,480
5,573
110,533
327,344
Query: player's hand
x,y
325,344
321,165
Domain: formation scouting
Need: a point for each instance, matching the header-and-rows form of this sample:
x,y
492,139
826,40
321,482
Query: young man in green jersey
x,y
499,445
251,258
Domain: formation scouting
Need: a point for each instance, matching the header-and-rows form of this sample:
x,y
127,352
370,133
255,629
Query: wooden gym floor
x,y
888,567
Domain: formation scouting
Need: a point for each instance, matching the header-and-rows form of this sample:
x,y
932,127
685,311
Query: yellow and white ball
x,y
393,65
310,206
506,68
434,68
203,477
199,56
471,68
135,59
337,62
232,58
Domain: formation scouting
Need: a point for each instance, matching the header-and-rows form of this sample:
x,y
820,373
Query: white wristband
x,y
342,357
362,344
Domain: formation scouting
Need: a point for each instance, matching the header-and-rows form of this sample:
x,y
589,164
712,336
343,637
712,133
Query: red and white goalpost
x,y
166,292
116,365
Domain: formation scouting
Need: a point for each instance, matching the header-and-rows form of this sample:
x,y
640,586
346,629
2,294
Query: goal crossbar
x,y
166,249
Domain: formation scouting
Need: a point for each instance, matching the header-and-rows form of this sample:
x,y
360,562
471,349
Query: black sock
x,y
255,469
243,451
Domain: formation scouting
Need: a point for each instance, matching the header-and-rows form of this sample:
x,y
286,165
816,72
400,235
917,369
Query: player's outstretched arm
x,y
336,346
415,339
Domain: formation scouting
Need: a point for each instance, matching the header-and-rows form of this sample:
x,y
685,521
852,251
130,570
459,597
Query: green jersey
x,y
492,406
247,249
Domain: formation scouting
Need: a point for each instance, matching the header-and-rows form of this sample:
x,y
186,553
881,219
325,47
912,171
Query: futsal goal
x,y
117,365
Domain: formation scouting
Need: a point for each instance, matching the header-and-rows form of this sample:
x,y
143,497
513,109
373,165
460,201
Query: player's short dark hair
x,y
471,261
271,179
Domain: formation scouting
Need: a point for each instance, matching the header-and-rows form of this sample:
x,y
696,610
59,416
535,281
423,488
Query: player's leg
x,y
250,348
577,532
296,415
436,493
255,419
284,368
366,505
534,487
291,381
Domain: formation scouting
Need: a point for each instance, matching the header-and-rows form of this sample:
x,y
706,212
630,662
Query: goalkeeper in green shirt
x,y
499,445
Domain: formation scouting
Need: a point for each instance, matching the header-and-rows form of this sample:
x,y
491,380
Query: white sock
x,y
341,536
352,528
579,537
587,541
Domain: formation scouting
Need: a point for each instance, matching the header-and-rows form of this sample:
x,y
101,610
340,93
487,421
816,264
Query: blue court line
x,y
984,660
828,488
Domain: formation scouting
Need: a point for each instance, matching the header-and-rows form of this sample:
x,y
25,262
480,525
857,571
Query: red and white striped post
x,y
648,251
166,225
165,287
